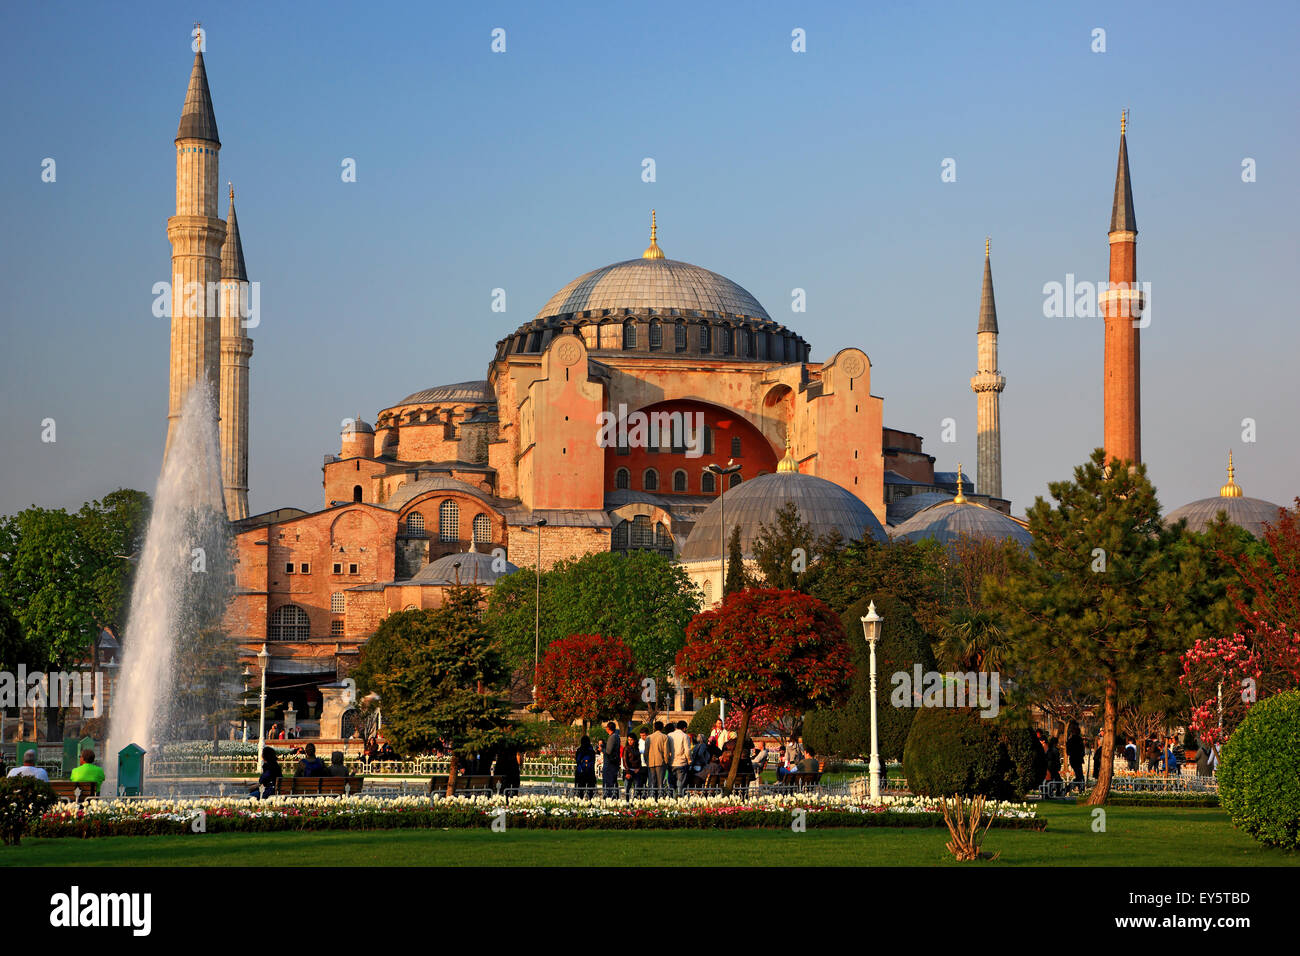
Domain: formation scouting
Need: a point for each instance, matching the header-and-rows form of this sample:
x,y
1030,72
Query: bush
x,y
22,800
953,750
845,731
702,722
1259,767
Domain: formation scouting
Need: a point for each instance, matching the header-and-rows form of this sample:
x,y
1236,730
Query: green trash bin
x,y
130,770
71,755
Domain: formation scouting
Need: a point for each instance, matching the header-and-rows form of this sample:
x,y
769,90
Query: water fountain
x,y
176,664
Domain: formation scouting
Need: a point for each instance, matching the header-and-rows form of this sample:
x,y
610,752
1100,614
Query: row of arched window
x,y
642,534
449,523
680,481
743,342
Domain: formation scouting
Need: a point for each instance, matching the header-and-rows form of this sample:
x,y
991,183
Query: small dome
x,y
413,489
823,505
475,567
947,521
1247,513
358,426
900,509
479,392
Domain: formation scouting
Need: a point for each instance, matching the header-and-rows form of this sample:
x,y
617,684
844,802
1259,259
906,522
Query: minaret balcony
x,y
988,382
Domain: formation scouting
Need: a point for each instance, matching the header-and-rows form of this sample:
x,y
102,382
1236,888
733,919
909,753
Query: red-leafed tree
x,y
588,677
765,647
1226,675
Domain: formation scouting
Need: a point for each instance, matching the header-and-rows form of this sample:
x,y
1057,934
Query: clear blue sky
x,y
779,170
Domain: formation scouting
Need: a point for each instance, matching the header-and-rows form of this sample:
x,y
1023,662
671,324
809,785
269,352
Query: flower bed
x,y
148,817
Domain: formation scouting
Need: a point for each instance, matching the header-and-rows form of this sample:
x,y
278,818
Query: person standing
x,y
1074,751
680,748
584,768
611,749
656,758
633,768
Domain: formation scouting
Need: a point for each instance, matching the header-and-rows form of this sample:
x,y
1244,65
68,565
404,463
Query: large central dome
x,y
659,284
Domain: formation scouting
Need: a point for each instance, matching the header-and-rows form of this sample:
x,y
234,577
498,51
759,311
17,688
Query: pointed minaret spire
x,y
198,121
1122,218
232,251
987,384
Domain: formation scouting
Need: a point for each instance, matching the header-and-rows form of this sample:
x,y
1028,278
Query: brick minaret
x,y
987,385
236,348
1122,306
196,233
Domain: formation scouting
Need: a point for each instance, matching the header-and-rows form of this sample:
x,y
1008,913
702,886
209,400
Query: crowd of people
x,y
309,765
663,759
1155,754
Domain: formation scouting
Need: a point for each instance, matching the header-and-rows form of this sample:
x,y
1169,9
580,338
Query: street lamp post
x,y
247,676
537,609
723,471
262,657
871,627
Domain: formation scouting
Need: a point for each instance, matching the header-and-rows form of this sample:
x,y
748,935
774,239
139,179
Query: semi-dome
x,y
948,521
1247,513
823,506
470,567
471,392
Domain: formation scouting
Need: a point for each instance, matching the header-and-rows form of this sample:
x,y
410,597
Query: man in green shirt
x,y
88,771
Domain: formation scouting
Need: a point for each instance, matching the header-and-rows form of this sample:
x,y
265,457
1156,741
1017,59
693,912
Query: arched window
x,y
622,479
650,480
663,539
749,343
482,529
629,335
724,340
679,337
415,523
620,536
735,447
708,440
762,345
735,479
708,592
679,480
289,622
356,492
656,336
336,602
449,521
705,339
706,483
643,533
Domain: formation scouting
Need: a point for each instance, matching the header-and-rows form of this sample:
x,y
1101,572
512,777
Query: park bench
x,y
68,789
319,786
800,780
480,782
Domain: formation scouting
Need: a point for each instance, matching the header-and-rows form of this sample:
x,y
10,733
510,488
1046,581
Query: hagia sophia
x,y
469,481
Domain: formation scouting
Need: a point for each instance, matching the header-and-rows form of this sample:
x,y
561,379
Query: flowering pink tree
x,y
1247,667
767,716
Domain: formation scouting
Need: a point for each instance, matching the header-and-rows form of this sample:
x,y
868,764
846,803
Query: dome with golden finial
x,y
653,251
1250,514
948,521
1231,489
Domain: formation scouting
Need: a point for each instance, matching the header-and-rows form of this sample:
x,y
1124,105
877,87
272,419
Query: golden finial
x,y
1123,121
987,240
232,190
1231,489
653,251
787,464
959,498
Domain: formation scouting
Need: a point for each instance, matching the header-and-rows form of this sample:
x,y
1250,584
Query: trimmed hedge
x,y
702,722
1259,772
955,750
1174,800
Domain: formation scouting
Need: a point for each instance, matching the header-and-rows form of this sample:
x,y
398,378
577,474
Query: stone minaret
x,y
1122,305
236,348
987,384
196,233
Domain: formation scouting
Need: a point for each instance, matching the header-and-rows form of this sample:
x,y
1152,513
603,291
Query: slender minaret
x,y
1122,306
196,233
236,348
987,384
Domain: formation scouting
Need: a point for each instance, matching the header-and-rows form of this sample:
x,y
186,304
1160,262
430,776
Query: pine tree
x,y
737,579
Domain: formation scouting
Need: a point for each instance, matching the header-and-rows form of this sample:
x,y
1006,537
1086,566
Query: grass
x,y
1141,836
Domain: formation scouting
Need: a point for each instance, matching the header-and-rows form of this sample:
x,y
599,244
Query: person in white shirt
x,y
29,768
679,755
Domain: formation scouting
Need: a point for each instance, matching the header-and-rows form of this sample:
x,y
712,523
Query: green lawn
x,y
1135,836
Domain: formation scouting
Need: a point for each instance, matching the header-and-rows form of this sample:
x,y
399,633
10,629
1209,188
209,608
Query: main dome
x,y
659,284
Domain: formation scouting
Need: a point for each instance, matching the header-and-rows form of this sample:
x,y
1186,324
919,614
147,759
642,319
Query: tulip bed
x,y
153,817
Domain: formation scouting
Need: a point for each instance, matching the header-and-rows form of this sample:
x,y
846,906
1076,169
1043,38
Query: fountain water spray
x,y
177,666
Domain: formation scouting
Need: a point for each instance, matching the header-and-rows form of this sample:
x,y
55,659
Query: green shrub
x,y
22,800
955,750
1259,770
845,730
702,722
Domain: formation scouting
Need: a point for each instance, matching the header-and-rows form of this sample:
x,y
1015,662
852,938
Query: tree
x,y
911,571
1226,676
1100,608
642,598
973,639
766,646
737,579
438,674
590,678
112,531
1270,575
785,549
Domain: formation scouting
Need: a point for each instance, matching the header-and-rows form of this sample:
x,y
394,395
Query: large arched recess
x,y
756,455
